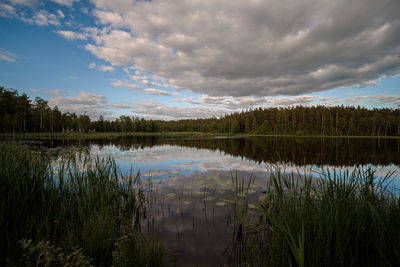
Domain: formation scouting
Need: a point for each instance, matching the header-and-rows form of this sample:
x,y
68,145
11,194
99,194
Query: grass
x,y
339,219
80,212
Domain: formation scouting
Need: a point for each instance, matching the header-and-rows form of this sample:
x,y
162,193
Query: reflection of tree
x,y
319,151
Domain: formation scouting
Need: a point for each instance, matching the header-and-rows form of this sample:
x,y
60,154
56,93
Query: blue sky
x,y
162,60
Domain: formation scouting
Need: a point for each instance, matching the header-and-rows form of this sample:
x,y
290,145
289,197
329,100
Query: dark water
x,y
191,178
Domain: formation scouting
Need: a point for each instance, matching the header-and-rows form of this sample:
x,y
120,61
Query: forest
x,y
19,114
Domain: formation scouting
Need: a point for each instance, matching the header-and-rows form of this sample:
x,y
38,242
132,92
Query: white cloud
x,y
393,100
92,65
85,10
83,98
105,68
385,99
70,35
27,20
219,106
259,48
226,102
40,17
106,17
126,85
43,18
121,106
29,3
246,102
153,91
7,11
95,105
90,104
55,91
302,100
164,112
68,3
60,14
7,56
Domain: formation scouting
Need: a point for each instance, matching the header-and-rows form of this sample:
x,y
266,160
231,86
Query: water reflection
x,y
194,215
293,151
158,157
191,189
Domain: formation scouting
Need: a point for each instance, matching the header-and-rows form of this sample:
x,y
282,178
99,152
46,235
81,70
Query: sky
x,y
183,59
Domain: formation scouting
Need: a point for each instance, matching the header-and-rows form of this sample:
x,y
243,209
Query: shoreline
x,y
96,135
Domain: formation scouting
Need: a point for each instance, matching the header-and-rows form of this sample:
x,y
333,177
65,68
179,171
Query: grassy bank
x,y
84,212
349,219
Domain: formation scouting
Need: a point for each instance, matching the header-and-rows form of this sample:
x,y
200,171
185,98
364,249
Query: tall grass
x,y
339,219
238,247
82,204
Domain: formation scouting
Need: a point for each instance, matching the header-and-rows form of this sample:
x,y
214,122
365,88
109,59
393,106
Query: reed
x,y
346,218
78,204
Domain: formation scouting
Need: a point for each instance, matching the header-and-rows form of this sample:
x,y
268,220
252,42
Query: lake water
x,y
189,200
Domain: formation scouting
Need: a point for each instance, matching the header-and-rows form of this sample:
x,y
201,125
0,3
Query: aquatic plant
x,y
81,203
336,219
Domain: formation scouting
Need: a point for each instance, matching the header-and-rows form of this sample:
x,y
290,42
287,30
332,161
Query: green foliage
x,y
46,254
83,203
339,219
19,114
235,127
133,249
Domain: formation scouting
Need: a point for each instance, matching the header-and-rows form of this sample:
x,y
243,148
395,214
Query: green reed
x,y
79,204
348,218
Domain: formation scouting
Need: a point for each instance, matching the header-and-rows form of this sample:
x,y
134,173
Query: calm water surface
x,y
191,192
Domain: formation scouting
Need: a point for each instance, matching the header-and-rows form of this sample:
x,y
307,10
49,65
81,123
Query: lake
x,y
189,180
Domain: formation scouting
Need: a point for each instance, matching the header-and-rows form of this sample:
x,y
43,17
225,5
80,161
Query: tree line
x,y
20,114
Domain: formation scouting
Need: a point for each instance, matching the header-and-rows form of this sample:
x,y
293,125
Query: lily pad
x,y
209,198
170,196
221,204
